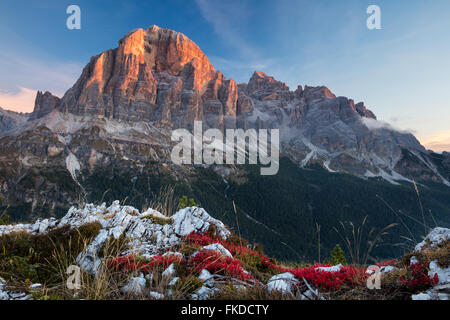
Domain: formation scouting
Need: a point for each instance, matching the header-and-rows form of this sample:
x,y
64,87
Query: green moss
x,y
158,220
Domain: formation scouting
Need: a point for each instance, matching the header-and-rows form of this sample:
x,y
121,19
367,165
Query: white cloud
x,y
21,101
373,124
438,142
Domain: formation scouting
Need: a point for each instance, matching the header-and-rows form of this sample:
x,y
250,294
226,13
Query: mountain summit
x,y
119,115
155,75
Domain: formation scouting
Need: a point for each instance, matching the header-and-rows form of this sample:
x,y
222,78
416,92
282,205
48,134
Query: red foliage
x,y
323,280
129,263
216,263
208,238
200,239
327,281
419,279
387,263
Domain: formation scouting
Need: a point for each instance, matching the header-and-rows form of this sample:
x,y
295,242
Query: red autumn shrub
x,y
387,263
328,281
235,250
130,263
417,278
200,239
216,263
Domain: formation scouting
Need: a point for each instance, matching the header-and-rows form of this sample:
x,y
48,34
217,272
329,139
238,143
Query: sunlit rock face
x,y
155,75
121,111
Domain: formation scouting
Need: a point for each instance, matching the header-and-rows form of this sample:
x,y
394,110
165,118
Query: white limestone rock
x,y
192,219
434,238
330,269
135,285
282,282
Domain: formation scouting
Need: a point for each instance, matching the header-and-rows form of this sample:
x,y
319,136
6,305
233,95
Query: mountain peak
x,y
156,75
44,103
262,81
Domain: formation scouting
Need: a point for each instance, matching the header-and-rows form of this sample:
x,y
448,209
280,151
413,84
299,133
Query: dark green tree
x,y
336,256
184,202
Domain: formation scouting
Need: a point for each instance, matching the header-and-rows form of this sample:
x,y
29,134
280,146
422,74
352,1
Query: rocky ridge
x,y
158,79
10,120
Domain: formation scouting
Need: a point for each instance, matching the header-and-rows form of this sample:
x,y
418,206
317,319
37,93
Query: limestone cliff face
x,y
155,75
158,79
10,120
116,121
318,127
43,105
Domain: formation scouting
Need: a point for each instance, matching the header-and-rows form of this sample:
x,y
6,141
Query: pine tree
x,y
336,256
184,202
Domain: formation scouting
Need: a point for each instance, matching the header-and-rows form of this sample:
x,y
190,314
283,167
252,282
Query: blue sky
x,y
401,72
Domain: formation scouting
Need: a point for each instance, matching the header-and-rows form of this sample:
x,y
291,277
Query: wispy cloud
x,y
224,16
228,20
21,101
373,124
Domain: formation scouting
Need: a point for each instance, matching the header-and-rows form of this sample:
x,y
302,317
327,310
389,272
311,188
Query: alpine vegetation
x,y
117,252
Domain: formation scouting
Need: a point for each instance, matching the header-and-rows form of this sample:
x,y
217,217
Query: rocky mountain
x,y
155,75
110,134
161,78
10,120
318,127
43,105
